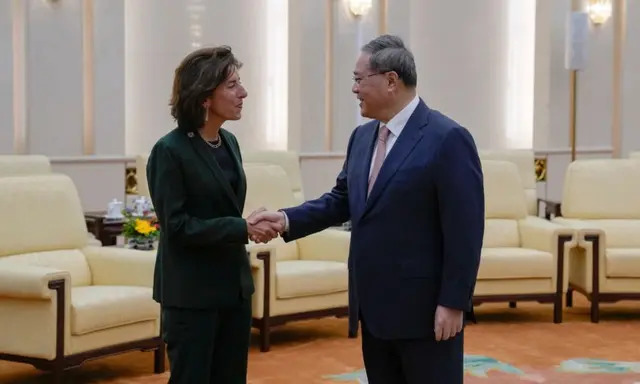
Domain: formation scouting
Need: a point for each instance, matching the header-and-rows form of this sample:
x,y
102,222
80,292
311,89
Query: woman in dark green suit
x,y
202,276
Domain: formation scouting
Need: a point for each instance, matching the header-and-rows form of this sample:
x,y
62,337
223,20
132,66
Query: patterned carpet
x,y
519,345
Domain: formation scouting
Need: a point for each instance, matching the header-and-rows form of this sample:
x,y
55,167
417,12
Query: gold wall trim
x,y
88,142
619,35
328,75
383,17
19,78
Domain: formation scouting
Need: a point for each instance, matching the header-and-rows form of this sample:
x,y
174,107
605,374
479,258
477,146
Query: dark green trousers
x,y
208,346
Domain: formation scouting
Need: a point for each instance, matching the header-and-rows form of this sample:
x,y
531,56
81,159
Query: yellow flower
x,y
144,227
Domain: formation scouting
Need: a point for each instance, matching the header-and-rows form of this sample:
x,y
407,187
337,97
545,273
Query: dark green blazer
x,y
202,260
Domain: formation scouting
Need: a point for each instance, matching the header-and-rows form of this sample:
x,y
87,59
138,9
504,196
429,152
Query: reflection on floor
x,y
519,345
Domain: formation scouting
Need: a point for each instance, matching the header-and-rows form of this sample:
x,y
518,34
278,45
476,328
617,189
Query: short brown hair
x,y
197,76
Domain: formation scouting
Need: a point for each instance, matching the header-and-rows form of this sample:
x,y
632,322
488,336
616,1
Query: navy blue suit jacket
x,y
416,240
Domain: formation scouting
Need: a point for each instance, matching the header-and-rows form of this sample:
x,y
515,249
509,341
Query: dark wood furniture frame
x,y
105,230
596,297
61,362
555,298
551,208
267,321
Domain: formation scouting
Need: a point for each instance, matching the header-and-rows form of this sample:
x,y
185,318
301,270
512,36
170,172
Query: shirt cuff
x,y
286,221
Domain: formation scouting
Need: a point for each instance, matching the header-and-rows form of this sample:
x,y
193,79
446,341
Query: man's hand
x,y
263,225
448,322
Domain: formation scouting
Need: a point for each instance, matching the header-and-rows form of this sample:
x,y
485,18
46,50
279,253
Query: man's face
x,y
371,88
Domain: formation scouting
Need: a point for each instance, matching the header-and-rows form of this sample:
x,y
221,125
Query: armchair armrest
x,y
327,245
40,329
543,235
120,266
552,208
540,234
21,281
592,239
263,263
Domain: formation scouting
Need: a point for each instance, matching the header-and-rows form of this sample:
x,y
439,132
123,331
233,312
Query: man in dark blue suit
x,y
412,186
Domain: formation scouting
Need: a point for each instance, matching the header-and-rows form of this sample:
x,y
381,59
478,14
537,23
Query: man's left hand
x,y
448,322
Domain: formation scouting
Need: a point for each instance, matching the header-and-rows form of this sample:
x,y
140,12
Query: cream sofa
x,y
523,256
62,302
601,201
303,279
634,155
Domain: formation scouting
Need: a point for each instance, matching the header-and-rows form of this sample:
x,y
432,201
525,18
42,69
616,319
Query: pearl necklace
x,y
217,144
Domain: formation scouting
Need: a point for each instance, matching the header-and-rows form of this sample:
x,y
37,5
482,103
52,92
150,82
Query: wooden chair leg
x,y
595,310
569,298
264,336
58,374
512,304
557,309
159,358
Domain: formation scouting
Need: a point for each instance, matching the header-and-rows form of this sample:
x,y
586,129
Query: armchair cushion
x,y
623,262
505,203
299,278
120,266
501,233
98,307
602,189
515,263
524,159
53,221
288,160
330,244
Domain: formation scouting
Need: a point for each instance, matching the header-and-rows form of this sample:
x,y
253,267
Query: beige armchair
x,y
62,302
523,256
303,279
601,201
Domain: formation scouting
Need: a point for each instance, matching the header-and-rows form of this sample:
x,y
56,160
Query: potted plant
x,y
140,232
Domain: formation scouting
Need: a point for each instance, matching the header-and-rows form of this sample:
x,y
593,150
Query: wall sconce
x,y
359,7
599,10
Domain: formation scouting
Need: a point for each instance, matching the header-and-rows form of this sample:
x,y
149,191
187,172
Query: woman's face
x,y
226,101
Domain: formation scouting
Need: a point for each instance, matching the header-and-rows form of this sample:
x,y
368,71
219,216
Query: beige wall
x,y
97,76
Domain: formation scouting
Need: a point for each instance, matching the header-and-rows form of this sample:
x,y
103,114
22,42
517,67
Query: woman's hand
x,y
262,231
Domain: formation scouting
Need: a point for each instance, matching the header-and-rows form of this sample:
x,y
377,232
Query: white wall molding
x,y
116,159
567,151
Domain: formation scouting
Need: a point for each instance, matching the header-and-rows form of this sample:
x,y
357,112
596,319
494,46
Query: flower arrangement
x,y
140,231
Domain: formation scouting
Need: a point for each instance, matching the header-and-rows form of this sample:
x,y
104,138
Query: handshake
x,y
263,225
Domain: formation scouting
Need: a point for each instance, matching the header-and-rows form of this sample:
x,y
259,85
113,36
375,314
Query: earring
x,y
206,114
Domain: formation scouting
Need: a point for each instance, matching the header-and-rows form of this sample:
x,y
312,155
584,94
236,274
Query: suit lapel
x,y
234,151
205,154
370,141
404,145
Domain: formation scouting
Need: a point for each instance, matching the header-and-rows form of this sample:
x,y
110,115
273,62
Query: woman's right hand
x,y
262,231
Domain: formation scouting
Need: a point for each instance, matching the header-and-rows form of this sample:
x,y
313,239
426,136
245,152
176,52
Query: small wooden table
x,y
105,230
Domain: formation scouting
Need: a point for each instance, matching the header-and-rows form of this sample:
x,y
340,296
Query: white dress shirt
x,y
395,126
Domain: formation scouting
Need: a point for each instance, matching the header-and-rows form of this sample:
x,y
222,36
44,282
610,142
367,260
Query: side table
x,y
105,230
